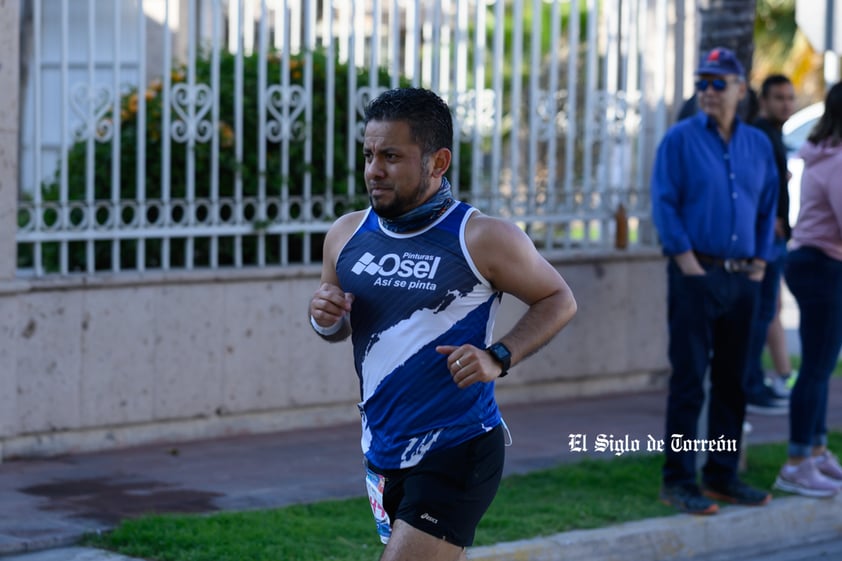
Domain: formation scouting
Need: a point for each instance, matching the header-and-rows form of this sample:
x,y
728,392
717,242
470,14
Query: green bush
x,y
228,167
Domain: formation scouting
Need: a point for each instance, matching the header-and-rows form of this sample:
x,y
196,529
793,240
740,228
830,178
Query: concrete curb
x,y
61,535
785,521
27,544
71,554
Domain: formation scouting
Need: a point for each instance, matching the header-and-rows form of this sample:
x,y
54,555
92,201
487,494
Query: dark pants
x,y
448,491
755,379
816,282
710,319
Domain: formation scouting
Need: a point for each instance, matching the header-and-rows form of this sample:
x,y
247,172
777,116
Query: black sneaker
x,y
738,493
767,404
687,498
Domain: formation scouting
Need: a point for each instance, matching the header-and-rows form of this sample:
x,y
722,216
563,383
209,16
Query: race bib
x,y
375,483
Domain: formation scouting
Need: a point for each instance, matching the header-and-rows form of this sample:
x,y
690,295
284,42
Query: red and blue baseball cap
x,y
721,61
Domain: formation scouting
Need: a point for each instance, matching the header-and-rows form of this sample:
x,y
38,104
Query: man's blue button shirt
x,y
715,198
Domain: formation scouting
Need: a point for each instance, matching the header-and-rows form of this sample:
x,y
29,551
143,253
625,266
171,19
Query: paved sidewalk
x,y
50,503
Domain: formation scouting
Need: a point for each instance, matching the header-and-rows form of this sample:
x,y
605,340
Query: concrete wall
x,y
100,363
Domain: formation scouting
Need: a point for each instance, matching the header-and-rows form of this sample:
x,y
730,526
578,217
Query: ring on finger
x,y
459,364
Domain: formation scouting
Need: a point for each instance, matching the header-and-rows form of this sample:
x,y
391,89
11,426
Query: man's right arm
x,y
330,305
688,263
665,196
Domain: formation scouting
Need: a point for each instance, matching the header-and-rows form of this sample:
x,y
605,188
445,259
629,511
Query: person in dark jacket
x,y
777,102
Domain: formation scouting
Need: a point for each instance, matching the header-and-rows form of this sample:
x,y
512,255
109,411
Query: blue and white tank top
x,y
413,292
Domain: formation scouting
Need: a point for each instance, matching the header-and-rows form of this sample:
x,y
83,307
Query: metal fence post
x,y
9,124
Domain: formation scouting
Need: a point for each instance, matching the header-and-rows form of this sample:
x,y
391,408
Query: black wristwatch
x,y
502,355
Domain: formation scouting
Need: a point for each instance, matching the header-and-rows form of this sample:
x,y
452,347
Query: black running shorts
x,y
448,492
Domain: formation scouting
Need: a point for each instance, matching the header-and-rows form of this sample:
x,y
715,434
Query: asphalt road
x,y
820,551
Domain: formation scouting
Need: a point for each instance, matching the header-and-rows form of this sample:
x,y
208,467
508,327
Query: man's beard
x,y
401,205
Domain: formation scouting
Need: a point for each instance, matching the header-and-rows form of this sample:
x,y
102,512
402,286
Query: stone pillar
x,y
9,124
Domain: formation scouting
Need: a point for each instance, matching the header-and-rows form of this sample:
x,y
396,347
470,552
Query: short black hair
x,y
772,81
429,117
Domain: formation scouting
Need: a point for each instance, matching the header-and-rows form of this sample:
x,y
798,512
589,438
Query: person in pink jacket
x,y
814,275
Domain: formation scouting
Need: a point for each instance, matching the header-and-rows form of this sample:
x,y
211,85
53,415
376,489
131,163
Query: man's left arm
x,y
508,259
767,208
766,214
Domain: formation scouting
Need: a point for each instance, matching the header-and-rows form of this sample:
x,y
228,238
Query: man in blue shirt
x,y
714,196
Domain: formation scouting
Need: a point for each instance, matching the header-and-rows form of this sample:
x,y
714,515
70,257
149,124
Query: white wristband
x,y
327,331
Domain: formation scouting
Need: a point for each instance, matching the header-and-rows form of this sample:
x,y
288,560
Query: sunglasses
x,y
718,84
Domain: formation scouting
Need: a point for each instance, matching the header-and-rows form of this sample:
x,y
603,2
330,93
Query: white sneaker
x,y
780,386
806,480
828,465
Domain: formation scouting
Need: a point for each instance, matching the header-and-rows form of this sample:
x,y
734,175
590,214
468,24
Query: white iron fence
x,y
226,133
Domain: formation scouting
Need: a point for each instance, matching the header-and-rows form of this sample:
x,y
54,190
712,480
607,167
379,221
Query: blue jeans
x,y
755,379
710,319
816,282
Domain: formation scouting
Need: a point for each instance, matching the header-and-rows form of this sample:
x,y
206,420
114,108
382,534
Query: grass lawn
x,y
585,494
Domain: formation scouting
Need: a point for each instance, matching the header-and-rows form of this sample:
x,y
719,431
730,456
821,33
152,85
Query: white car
x,y
795,131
